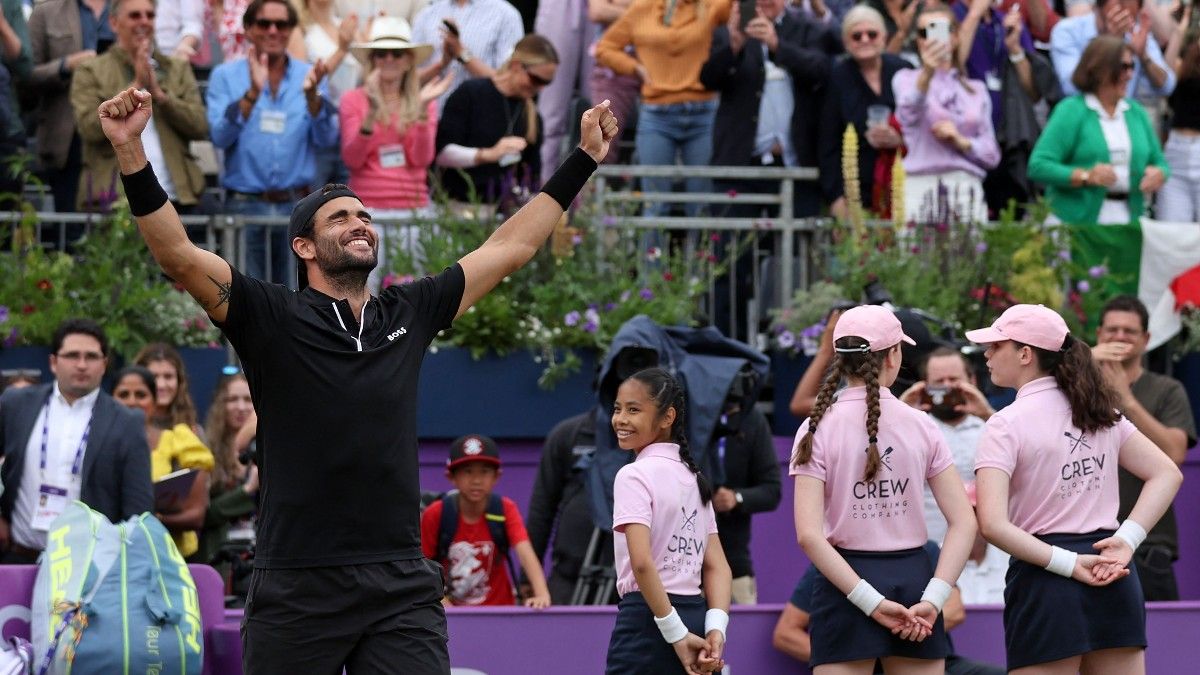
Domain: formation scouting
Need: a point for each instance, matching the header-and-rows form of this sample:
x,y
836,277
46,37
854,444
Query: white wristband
x,y
671,627
1062,561
716,619
1131,533
865,597
936,593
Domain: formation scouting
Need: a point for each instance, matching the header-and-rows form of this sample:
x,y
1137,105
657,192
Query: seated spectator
x,y
1179,200
946,120
864,78
173,399
233,492
1098,155
460,532
1124,20
489,136
388,131
177,112
791,634
675,119
471,39
621,91
179,27
174,448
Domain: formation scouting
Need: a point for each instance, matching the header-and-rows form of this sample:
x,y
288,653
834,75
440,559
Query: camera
x,y
942,401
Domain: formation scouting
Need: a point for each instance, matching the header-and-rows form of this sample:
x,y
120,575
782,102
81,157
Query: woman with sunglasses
x,y
946,121
234,486
490,135
865,77
1098,155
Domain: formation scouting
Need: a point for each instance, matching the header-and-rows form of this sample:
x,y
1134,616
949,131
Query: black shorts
x,y
372,618
1048,617
841,632
637,646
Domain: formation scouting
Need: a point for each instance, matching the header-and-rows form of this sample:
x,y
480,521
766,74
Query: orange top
x,y
672,55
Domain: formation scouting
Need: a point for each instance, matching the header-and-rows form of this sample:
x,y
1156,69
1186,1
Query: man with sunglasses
x,y
181,112
270,114
68,440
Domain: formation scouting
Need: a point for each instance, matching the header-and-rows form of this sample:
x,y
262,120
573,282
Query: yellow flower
x,y
898,177
852,188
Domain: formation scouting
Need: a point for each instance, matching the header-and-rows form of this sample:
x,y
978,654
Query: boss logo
x,y
397,334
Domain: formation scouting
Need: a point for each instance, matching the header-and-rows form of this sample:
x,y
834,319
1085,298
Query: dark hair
x,y
142,372
1127,303
942,352
1189,55
1093,403
864,366
1100,63
255,6
666,392
182,410
78,327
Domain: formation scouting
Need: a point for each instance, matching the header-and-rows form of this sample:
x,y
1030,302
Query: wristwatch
x,y
1085,177
464,56
1016,58
737,497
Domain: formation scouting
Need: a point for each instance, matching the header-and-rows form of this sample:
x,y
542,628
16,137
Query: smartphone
x,y
450,27
748,10
938,29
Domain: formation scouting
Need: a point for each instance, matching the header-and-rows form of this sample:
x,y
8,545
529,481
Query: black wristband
x,y
570,178
142,190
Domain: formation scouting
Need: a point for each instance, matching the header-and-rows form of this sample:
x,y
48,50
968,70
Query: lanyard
x,y
77,464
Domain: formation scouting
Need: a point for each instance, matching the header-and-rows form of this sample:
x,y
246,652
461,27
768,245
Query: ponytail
x,y
667,393
1093,402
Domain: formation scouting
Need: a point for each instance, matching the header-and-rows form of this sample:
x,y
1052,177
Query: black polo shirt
x,y
337,413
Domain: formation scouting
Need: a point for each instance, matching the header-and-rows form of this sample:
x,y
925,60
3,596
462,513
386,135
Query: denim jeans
x,y
274,263
672,130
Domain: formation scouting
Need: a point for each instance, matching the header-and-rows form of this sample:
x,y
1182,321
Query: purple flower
x,y
646,294
3,313
609,221
814,331
591,326
11,340
981,247
576,239
592,316
1083,286
1097,271
786,339
610,306
1065,254
572,318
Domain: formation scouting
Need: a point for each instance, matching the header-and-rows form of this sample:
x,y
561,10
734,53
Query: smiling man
x,y
339,578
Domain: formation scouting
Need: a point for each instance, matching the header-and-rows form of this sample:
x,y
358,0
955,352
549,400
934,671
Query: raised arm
x,y
516,241
204,274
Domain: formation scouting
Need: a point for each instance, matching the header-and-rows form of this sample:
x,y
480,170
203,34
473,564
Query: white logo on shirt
x,y
397,333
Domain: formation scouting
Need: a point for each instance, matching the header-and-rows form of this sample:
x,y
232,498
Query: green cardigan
x,y
1073,140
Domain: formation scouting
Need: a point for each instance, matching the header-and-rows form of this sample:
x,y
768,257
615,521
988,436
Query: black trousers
x,y
372,618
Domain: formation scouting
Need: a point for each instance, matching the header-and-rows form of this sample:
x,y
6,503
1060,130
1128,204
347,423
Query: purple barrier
x,y
16,594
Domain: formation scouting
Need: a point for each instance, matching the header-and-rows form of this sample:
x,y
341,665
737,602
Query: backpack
x,y
114,598
493,515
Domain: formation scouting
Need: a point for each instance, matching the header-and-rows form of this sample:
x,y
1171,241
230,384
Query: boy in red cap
x,y
470,530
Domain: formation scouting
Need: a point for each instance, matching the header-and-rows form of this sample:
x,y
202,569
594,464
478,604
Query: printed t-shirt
x,y
475,570
659,491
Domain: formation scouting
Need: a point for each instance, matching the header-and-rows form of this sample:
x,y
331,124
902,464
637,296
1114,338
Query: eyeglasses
x,y
394,53
230,370
864,36
279,24
138,15
1128,66
86,357
137,395
536,79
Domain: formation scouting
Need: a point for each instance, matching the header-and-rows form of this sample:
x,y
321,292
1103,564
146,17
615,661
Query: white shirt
x,y
64,434
154,154
962,440
1120,148
321,45
775,112
175,19
982,583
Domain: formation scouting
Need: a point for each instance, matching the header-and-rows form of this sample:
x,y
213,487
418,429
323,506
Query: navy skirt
x,y
841,632
637,646
1048,617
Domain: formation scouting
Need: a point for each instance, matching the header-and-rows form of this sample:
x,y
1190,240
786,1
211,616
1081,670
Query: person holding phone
x,y
946,120
470,38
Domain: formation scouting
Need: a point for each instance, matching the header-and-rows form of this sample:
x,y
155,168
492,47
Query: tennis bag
x,y
114,599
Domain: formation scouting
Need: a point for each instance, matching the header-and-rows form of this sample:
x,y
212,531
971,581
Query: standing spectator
x,y
268,112
389,127
62,35
1098,155
475,36
231,33
491,129
1180,198
179,27
1123,20
326,37
565,24
604,84
231,497
15,66
864,78
370,9
173,398
677,111
14,41
92,449
1158,406
179,119
946,122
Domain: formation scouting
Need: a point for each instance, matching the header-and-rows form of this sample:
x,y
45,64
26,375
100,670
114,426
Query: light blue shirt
x,y
488,29
1068,40
275,149
775,113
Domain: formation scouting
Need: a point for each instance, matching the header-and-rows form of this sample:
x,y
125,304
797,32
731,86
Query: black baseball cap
x,y
302,215
472,448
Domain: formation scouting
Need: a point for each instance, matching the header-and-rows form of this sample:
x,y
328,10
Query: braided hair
x,y
862,365
666,392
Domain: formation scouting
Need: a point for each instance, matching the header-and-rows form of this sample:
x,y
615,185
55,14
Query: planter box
x,y
786,371
496,395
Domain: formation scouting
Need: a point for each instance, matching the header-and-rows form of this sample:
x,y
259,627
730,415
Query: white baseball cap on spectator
x,y
873,323
391,32
1033,325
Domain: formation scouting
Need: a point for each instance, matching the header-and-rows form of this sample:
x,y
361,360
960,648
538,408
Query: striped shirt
x,y
488,29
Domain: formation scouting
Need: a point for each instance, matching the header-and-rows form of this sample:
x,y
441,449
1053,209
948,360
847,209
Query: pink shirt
x,y
887,513
1062,480
388,169
659,491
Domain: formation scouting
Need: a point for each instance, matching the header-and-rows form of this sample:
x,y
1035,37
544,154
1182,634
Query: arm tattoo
x,y
223,291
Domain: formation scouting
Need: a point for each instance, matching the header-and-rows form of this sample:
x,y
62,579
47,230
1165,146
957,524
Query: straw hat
x,y
390,32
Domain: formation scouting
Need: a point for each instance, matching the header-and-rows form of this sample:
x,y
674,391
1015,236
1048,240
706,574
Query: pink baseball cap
x,y
1034,325
873,323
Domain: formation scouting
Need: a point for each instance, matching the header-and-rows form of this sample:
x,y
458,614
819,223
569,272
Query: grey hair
x,y
859,14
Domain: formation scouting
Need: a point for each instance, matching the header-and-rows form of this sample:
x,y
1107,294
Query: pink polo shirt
x,y
659,491
1062,480
887,513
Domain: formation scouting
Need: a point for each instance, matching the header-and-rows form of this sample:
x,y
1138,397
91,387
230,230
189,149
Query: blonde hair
x,y
531,50
220,436
411,109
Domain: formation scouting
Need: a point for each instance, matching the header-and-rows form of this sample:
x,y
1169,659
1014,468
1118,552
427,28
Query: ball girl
x,y
665,540
859,511
1046,477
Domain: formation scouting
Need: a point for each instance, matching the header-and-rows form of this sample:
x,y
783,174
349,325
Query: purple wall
x,y
778,560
